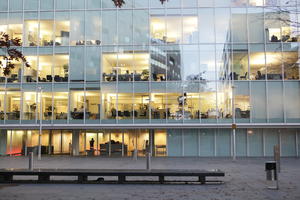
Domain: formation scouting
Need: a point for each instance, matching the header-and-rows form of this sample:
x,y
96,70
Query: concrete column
x,y
3,142
75,143
151,142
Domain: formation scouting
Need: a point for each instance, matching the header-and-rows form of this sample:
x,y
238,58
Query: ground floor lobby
x,y
256,142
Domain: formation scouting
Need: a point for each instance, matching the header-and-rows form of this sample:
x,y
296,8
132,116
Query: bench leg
x,y
161,179
43,178
202,179
121,179
6,178
82,179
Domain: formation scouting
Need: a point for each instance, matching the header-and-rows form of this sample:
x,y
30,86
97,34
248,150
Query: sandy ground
x,y
245,179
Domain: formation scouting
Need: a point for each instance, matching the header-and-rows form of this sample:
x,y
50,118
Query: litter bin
x,y
271,171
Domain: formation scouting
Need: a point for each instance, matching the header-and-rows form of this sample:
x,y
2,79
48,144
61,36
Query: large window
x,y
127,66
13,105
60,105
62,29
169,29
29,105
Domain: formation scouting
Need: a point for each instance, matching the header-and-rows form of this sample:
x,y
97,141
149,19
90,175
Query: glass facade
x,y
192,63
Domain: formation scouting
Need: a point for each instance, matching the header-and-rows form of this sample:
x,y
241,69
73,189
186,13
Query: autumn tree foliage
x,y
10,53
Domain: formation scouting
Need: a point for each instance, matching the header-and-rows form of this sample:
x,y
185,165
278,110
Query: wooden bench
x,y
44,175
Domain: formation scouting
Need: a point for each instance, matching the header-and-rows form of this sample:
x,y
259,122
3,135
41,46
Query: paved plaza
x,y
245,179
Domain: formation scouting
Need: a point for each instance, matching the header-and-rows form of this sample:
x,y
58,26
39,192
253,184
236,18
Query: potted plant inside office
x,y
11,53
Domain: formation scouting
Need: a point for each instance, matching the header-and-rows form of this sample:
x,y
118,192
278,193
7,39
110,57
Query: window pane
x,y
191,145
93,4
223,142
125,27
290,57
13,100
207,142
93,64
240,62
62,5
141,27
206,25
76,64
239,25
77,4
256,19
207,62
47,4
62,29
15,4
274,61
222,24
109,27
4,5
258,102
93,27
257,62
174,142
61,68
255,142
77,28
292,101
31,4
275,102
190,63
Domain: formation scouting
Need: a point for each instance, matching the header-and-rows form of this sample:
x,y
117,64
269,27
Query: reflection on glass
x,y
224,97
240,62
274,62
291,63
62,32
242,106
125,66
165,29
257,62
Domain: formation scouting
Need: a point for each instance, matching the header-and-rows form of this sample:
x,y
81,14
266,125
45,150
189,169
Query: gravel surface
x,y
245,179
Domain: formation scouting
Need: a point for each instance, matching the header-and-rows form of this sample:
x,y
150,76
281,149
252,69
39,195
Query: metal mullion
x,y
215,141
266,69
84,61
69,71
247,143
199,141
248,41
5,103
264,141
297,143
182,142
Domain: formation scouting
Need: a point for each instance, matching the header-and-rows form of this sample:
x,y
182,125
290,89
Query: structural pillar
x,y
151,142
75,143
3,142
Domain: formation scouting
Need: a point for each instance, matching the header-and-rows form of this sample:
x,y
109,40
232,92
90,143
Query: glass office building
x,y
172,77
